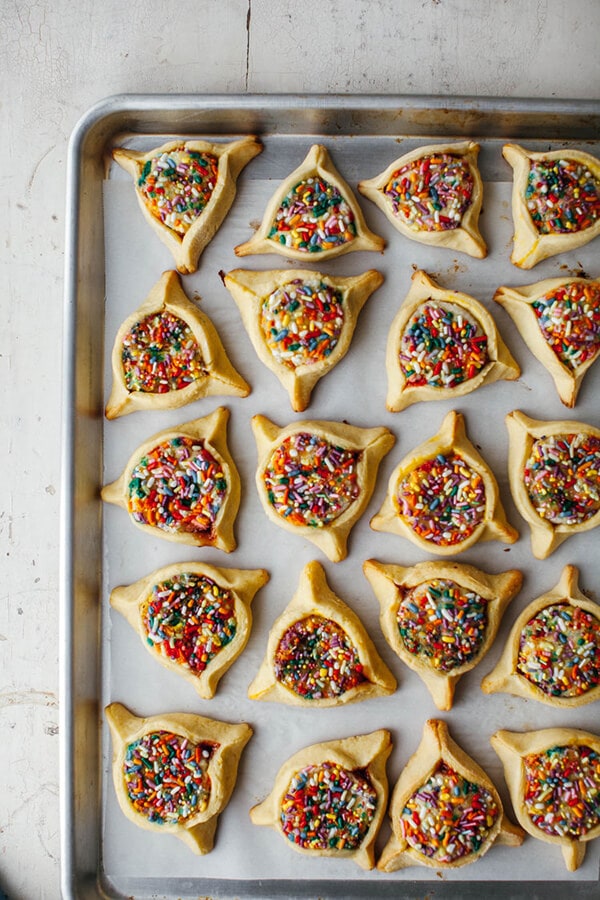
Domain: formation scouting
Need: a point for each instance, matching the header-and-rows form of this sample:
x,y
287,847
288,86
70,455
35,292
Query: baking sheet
x,y
354,390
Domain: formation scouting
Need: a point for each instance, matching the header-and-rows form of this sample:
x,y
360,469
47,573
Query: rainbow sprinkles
x,y
553,776
166,776
433,195
443,496
328,807
182,484
554,475
329,799
300,322
174,773
312,213
167,354
193,618
552,653
440,617
315,478
442,344
555,202
559,319
185,190
319,654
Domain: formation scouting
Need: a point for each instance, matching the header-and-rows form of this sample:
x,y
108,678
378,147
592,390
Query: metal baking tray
x,y
364,133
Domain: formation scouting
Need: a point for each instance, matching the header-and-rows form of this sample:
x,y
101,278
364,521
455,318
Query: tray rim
x,y
91,134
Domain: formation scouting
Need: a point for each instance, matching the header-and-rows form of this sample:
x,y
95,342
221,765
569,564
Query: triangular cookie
x,y
300,322
319,653
312,215
185,189
167,354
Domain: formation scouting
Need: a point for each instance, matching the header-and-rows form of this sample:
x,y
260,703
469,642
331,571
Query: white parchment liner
x,y
355,391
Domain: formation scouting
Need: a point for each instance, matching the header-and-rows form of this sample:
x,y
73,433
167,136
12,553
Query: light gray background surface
x,y
56,60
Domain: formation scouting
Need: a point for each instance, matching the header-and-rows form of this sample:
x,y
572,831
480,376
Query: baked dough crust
x,y
243,584
505,676
317,163
519,305
529,245
466,238
390,582
500,364
512,747
220,378
250,289
197,831
212,431
314,597
232,158
546,536
437,746
371,443
368,752
450,439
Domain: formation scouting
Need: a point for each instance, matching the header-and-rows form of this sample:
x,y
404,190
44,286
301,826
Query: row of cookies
x,y
432,194
442,344
315,480
175,773
439,618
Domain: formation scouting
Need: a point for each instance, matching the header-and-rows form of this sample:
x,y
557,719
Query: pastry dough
x,y
192,617
197,760
185,189
553,649
346,822
443,497
559,320
554,474
445,811
334,467
167,354
553,776
182,484
319,653
440,618
312,214
442,344
433,195
555,202
300,322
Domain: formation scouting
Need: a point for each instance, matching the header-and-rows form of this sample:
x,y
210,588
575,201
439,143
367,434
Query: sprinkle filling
x,y
442,346
442,623
189,619
562,478
313,217
160,354
562,790
442,499
559,651
562,196
177,186
166,776
328,807
569,319
432,193
177,486
302,322
448,817
310,481
316,660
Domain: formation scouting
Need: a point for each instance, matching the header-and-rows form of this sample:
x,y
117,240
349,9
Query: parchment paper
x,y
354,390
